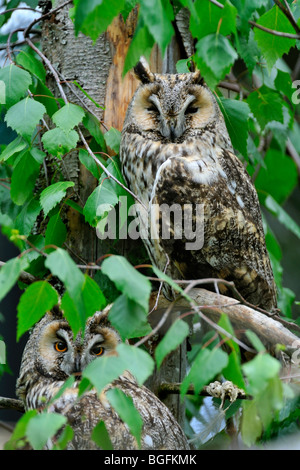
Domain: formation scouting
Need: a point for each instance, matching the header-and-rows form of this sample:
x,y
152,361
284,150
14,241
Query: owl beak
x,y
77,365
170,129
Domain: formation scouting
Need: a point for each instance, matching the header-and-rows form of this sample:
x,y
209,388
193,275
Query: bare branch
x,y
274,32
270,331
106,171
11,404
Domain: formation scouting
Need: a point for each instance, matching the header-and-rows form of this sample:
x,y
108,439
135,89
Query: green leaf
x,y
71,313
93,124
27,217
19,432
80,304
158,16
53,194
128,280
103,370
208,18
24,116
24,178
251,428
249,51
93,297
58,142
125,408
205,367
17,82
141,45
236,115
132,358
256,342
171,340
56,231
38,298
9,274
101,437
282,215
128,317
61,265
42,427
266,105
273,47
246,11
12,148
69,116
46,97
113,139
259,371
101,201
279,177
32,64
89,163
94,17
214,57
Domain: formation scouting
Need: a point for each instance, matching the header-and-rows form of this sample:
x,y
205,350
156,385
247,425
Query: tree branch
x,y
212,305
11,404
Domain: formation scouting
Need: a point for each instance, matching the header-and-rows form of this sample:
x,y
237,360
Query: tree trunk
x,y
98,69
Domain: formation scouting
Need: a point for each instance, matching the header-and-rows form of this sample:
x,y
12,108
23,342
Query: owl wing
x,y
160,430
223,211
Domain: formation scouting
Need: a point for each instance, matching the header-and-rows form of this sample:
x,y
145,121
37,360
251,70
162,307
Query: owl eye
x,y
153,108
191,110
97,350
60,346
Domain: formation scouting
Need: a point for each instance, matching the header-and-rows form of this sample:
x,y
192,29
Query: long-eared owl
x,y
52,355
197,204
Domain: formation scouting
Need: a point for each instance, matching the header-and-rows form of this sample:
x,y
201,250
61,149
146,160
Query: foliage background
x,y
260,101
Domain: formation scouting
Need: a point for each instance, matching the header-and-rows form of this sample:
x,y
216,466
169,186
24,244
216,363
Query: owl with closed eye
x,y
52,355
198,209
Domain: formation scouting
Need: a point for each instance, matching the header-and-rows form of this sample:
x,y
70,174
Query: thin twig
x,y
157,327
288,13
50,66
106,170
274,32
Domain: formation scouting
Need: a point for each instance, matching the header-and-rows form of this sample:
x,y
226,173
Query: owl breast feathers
x,y
199,208
52,355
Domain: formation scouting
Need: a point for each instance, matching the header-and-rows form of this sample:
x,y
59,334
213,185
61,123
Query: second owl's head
x,y
169,104
59,354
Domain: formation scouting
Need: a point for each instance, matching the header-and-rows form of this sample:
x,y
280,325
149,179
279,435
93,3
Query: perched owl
x,y
52,355
177,158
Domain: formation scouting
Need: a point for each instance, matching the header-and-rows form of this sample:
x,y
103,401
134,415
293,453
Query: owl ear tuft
x,y
142,71
197,78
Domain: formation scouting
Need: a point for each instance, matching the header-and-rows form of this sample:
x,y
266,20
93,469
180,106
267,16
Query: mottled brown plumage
x,y
175,149
44,372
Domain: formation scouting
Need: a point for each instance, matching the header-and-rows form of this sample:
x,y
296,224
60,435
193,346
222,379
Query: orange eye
x,y
60,346
97,350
